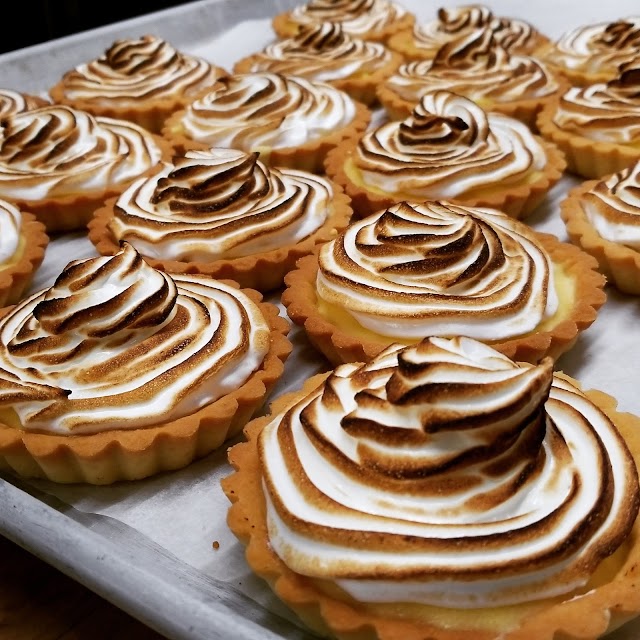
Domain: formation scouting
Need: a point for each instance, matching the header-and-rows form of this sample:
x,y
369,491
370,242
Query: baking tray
x,y
147,546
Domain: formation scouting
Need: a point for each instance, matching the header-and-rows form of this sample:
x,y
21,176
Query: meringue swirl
x,y
322,52
357,17
605,112
514,35
139,70
16,102
437,268
116,344
266,110
446,148
221,203
598,47
612,206
58,150
446,474
477,66
10,225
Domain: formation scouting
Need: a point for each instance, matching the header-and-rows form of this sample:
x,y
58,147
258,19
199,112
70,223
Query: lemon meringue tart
x,y
443,491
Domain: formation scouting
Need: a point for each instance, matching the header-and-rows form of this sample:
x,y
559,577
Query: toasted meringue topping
x,y
446,474
220,203
57,150
607,112
115,344
357,17
598,47
137,70
16,102
436,268
447,147
322,52
10,224
475,65
513,35
613,207
254,110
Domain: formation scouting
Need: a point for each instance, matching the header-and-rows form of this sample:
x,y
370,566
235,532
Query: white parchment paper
x,y
184,512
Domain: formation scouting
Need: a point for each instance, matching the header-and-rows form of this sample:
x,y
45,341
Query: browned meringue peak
x,y
202,182
627,83
436,268
144,68
472,50
321,37
438,394
346,10
112,298
604,111
135,346
12,101
442,118
622,34
472,16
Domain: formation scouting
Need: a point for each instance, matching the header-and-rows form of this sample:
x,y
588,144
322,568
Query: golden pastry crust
x,y
518,201
339,344
263,271
308,156
109,456
601,610
620,264
16,277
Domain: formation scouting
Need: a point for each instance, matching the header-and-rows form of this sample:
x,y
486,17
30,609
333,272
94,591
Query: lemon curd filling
x,y
338,316
15,258
488,619
354,174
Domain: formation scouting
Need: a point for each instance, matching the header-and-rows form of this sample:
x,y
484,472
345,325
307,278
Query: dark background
x,y
32,22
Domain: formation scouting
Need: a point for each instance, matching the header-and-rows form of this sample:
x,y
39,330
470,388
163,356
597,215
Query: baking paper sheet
x,y
166,526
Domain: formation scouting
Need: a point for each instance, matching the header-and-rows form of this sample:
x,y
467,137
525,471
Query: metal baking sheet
x,y
147,546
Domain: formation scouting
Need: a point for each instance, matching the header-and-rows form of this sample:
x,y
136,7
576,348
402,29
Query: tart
x,y
448,148
440,269
478,67
23,242
12,101
119,371
143,80
290,121
61,163
222,212
592,54
367,19
603,218
423,41
597,127
324,52
443,491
